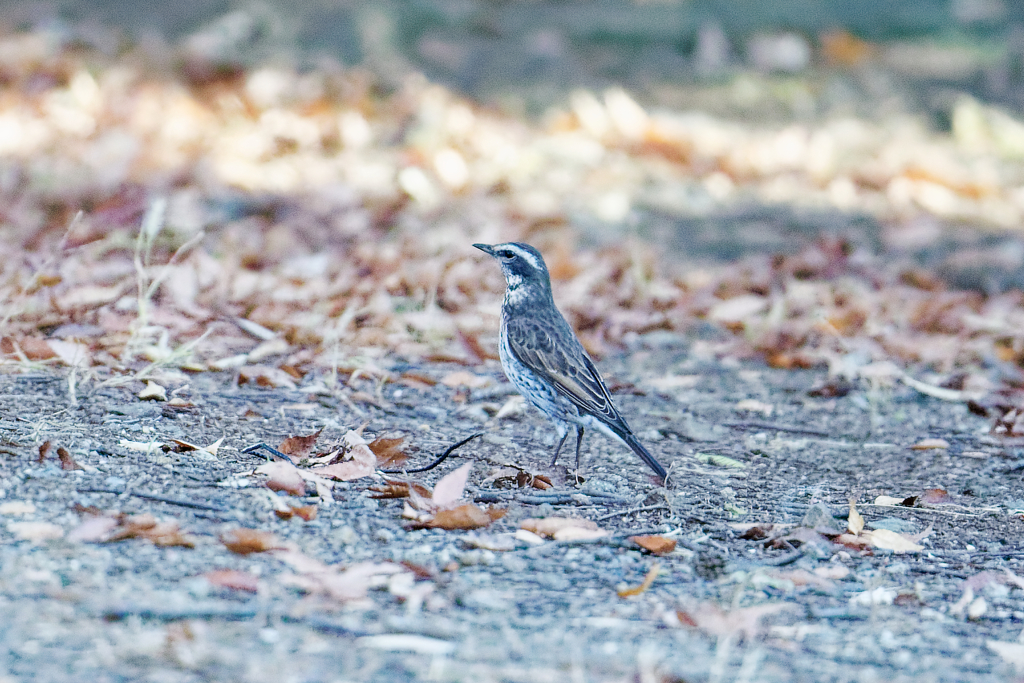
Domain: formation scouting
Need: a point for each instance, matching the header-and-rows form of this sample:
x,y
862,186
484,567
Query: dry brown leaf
x,y
463,378
266,376
388,452
298,447
890,540
245,541
935,497
757,531
745,621
71,354
659,545
283,476
852,541
94,529
562,528
342,585
651,575
33,348
35,531
361,463
417,380
304,512
928,444
66,461
448,490
110,527
233,579
44,450
802,577
855,522
466,516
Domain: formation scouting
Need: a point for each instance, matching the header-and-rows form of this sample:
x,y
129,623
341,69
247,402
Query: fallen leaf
x,y
72,354
362,462
147,527
652,574
140,446
341,585
463,378
35,531
94,529
935,497
233,579
855,522
417,380
304,512
450,487
298,447
245,541
745,621
888,500
283,476
737,309
659,545
44,450
32,348
876,596
388,452
550,526
266,376
755,406
17,507
467,516
756,532
66,461
393,488
575,533
802,577
927,444
890,540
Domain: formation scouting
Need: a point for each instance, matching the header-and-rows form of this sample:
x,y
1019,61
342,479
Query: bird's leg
x,y
579,442
558,448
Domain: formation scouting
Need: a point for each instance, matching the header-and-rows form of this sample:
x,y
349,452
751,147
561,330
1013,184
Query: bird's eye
x,y
507,255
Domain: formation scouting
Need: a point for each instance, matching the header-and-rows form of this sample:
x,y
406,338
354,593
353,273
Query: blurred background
x,y
332,161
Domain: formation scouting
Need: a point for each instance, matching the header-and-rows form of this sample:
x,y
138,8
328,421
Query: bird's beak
x,y
486,248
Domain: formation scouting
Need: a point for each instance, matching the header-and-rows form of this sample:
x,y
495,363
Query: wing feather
x,y
552,350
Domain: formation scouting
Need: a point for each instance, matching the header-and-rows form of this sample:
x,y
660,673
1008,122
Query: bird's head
x,y
523,267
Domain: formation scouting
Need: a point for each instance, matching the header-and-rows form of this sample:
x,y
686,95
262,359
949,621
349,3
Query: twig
x,y
630,511
567,497
251,450
440,459
782,560
157,497
211,611
256,447
758,424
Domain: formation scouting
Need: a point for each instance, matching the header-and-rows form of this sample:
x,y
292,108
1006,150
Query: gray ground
x,y
134,611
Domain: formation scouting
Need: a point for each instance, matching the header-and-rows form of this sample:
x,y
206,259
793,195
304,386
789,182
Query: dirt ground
x,y
489,606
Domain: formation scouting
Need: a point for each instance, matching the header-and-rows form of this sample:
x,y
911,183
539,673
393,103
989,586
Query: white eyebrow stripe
x,y
526,256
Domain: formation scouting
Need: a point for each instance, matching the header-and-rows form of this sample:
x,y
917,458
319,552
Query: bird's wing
x,y
552,351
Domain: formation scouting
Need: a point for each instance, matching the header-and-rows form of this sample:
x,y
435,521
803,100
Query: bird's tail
x,y
645,455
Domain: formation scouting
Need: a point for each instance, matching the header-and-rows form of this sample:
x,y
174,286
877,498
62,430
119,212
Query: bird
x,y
545,361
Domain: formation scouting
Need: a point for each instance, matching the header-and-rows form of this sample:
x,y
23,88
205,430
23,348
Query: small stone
x,y
153,392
